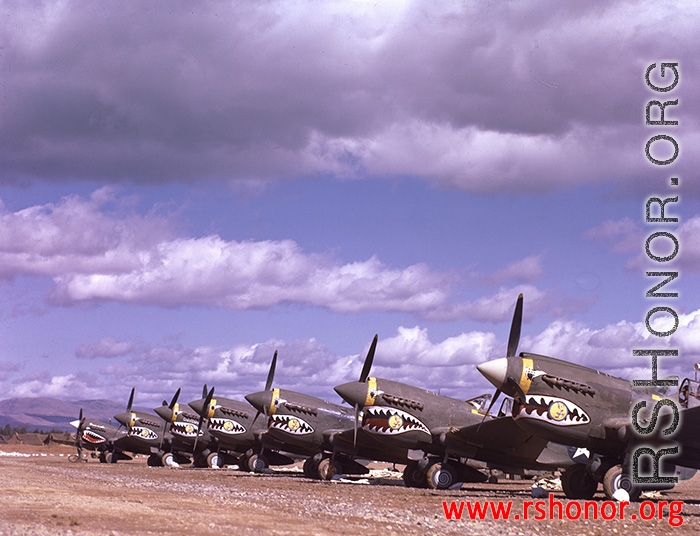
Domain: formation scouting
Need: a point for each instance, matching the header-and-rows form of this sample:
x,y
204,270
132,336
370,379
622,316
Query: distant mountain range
x,y
44,413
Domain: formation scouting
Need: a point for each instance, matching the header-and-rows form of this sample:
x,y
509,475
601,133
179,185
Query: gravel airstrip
x,y
44,493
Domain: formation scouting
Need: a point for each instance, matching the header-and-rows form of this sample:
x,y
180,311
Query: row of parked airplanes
x,y
557,416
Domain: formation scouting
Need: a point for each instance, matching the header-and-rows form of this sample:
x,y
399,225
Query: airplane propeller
x,y
171,406
268,385
513,342
131,400
207,403
79,434
364,374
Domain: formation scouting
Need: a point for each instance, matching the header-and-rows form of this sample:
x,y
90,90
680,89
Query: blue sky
x,y
184,190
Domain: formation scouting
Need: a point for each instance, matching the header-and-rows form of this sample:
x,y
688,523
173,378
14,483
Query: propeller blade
x,y
175,397
207,399
131,400
207,403
79,433
354,432
368,360
514,337
196,438
204,391
493,401
271,373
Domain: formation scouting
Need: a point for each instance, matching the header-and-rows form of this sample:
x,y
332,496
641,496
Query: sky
x,y
185,189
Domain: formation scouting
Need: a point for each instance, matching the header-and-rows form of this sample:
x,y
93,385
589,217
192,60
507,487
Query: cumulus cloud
x,y
472,96
625,236
105,347
101,250
526,270
95,254
409,356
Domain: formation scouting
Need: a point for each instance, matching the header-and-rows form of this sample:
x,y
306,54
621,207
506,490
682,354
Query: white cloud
x,y
408,356
93,254
626,236
105,347
526,270
96,253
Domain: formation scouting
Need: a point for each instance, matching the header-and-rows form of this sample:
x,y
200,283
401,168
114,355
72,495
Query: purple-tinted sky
x,y
186,188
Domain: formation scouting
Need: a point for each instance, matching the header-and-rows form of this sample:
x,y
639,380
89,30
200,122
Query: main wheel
x,y
257,462
328,468
441,476
577,483
616,479
413,477
154,461
214,461
168,460
111,457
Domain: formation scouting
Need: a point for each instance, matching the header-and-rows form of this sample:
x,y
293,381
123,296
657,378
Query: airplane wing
x,y
502,441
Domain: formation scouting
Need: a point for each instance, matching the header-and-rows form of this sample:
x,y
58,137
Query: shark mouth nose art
x,y
185,429
142,433
290,424
390,421
226,426
92,437
557,411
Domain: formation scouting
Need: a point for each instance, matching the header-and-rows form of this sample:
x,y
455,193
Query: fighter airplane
x,y
445,436
318,430
149,432
105,440
578,406
184,435
236,430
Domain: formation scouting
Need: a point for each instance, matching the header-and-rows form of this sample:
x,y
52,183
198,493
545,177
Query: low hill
x,y
44,413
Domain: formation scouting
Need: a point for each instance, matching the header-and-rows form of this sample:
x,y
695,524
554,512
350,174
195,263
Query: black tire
x,y
311,468
615,479
441,476
328,468
257,462
214,461
413,477
578,483
111,457
154,461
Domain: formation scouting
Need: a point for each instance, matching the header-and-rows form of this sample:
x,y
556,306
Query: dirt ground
x,y
44,493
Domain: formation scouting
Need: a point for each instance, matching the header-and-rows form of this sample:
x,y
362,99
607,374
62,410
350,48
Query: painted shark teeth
x,y
185,429
290,424
92,437
142,433
554,410
390,421
227,426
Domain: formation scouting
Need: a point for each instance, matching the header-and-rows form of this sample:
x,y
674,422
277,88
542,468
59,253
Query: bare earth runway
x,y
46,494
